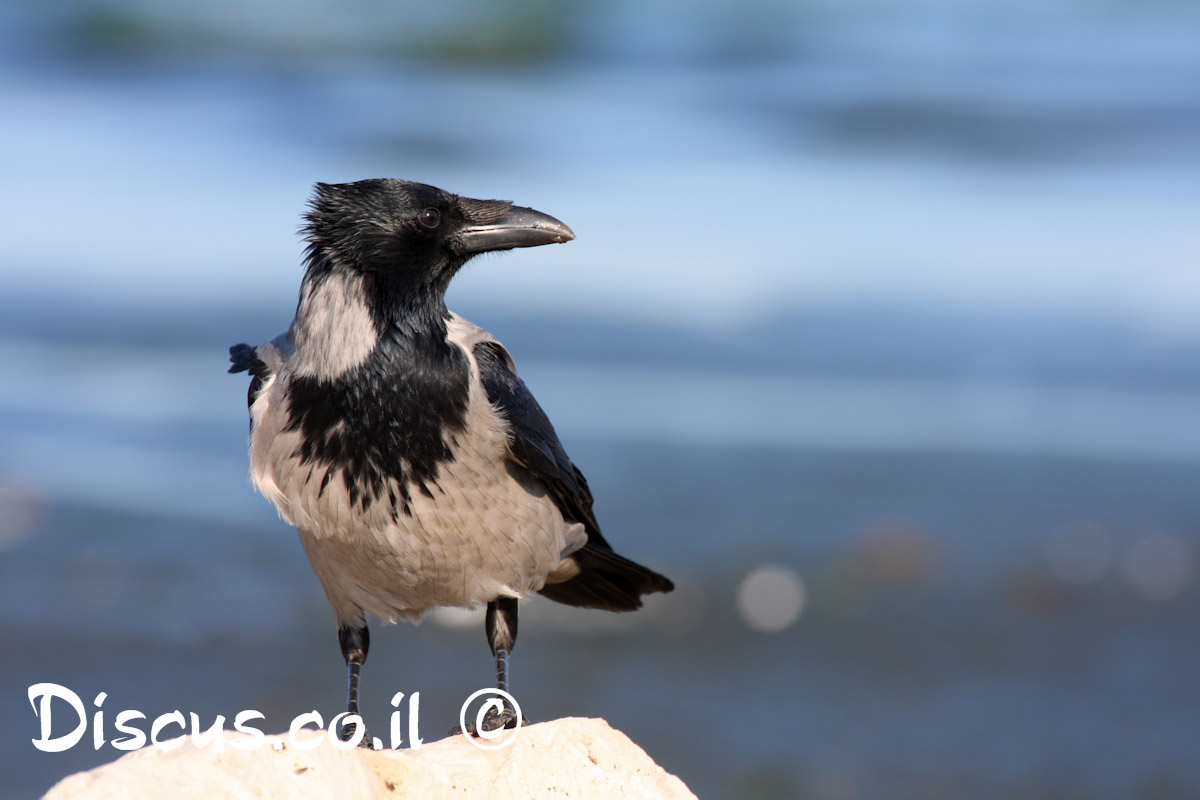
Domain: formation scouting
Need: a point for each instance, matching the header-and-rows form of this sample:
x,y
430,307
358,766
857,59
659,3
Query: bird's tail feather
x,y
608,581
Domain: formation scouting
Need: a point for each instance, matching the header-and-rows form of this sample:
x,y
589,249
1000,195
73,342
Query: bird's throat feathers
x,y
343,316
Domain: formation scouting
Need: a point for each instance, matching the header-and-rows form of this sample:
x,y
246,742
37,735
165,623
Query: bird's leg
x,y
501,627
355,642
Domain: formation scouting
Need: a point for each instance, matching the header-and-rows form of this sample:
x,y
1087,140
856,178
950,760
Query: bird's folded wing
x,y
533,443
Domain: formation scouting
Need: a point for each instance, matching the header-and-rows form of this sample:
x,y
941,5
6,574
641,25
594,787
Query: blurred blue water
x,y
901,297
1002,156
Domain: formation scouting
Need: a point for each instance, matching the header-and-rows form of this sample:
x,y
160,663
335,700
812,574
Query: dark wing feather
x,y
605,580
534,444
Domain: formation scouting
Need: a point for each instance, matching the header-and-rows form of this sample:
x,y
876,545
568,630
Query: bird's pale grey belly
x,y
486,531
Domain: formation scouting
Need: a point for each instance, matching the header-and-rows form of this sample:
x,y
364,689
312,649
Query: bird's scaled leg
x,y
355,641
501,626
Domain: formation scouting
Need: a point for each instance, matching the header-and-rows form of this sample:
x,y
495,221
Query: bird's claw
x,y
347,732
493,721
502,719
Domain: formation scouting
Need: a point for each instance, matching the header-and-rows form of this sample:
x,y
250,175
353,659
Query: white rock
x,y
573,757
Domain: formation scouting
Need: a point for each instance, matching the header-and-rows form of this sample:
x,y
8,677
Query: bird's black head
x,y
409,239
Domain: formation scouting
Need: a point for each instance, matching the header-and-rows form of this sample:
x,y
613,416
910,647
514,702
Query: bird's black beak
x,y
521,227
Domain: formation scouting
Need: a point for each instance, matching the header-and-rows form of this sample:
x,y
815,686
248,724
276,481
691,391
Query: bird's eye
x,y
430,217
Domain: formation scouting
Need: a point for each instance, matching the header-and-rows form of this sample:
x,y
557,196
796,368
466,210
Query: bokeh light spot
x,y
457,618
771,598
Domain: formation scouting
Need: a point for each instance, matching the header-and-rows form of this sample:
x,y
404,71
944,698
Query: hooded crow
x,y
397,438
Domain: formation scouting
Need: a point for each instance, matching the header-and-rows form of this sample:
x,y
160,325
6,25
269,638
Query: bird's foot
x,y
493,721
502,719
347,733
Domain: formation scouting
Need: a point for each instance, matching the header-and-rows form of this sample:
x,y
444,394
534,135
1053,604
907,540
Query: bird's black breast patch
x,y
394,418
